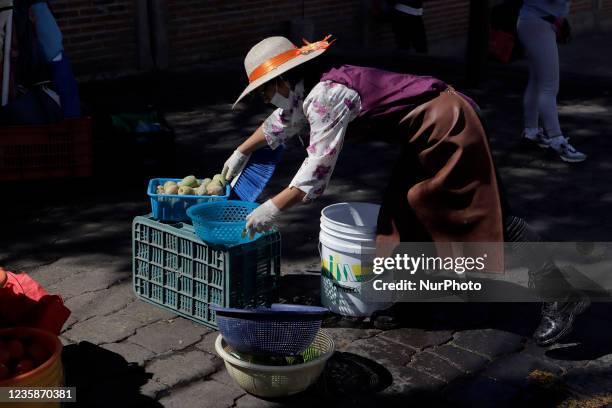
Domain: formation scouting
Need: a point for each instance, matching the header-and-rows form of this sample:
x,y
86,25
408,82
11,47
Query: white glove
x,y
234,165
261,218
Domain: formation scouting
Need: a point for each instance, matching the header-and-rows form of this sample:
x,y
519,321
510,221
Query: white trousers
x,y
540,98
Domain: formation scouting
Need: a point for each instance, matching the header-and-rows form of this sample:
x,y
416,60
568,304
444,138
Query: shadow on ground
x,y
104,379
591,338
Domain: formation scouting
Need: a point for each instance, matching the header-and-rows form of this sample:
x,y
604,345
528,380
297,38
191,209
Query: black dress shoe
x,y
351,322
385,319
385,323
558,320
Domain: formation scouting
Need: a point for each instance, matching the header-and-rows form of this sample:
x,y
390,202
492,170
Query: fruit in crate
x,y
24,366
38,353
189,181
172,189
20,355
220,179
190,185
184,190
4,372
214,188
201,190
15,349
169,184
5,356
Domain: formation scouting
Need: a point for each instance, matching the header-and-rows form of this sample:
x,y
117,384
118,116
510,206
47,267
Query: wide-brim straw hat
x,y
274,56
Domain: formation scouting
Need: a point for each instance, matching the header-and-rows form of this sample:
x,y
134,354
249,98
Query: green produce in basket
x,y
184,190
214,188
190,185
220,179
172,189
268,360
189,181
201,190
307,355
169,184
311,353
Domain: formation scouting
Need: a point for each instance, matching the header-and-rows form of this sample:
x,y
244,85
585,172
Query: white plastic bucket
x,y
345,263
347,245
347,301
351,217
346,230
350,239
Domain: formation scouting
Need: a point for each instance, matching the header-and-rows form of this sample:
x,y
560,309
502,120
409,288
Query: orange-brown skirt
x,y
444,187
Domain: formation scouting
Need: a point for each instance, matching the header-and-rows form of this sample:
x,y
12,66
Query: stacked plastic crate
x,y
174,269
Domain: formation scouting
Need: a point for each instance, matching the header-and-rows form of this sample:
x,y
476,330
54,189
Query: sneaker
x,y
565,150
536,137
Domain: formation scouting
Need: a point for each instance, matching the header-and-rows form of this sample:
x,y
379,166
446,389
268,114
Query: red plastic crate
x,y
57,150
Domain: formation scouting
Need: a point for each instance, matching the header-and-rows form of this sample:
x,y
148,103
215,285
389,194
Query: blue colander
x,y
222,223
281,330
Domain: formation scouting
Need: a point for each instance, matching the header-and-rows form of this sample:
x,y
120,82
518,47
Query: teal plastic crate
x,y
173,269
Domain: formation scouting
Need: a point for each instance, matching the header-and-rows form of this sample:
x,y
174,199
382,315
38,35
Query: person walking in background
x,y
538,25
408,27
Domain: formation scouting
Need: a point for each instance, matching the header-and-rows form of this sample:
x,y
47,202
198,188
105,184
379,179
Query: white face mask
x,y
280,101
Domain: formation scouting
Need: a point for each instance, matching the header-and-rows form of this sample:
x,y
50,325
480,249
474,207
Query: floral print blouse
x,y
327,111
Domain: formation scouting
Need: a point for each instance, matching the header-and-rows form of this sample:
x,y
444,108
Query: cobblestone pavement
x,y
77,243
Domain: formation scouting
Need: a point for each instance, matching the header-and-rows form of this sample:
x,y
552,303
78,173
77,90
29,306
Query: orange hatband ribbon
x,y
287,56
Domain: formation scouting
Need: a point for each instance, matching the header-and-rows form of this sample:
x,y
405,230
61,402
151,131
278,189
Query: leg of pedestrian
x,y
539,39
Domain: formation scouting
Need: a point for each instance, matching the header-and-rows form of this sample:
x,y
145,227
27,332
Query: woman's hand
x,y
262,218
234,165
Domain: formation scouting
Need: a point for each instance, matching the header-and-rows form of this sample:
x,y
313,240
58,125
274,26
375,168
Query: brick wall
x,y
605,8
98,35
341,18
446,23
581,6
590,15
446,19
203,30
101,35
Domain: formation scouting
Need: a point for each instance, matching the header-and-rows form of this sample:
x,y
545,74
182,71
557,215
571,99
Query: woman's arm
x,y
329,108
254,142
329,111
288,198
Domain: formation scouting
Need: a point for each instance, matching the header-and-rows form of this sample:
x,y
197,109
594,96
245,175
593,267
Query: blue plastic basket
x,y
282,330
173,207
222,222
